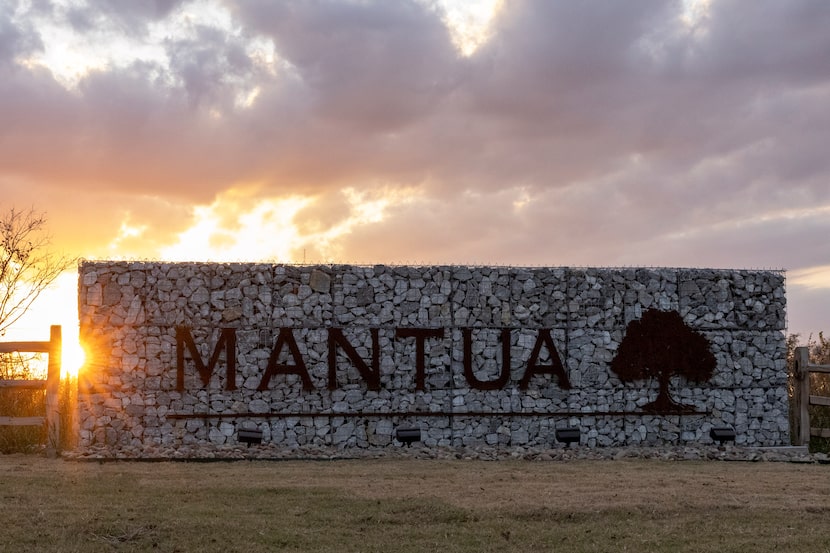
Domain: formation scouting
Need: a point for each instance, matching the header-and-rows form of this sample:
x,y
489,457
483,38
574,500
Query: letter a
x,y
555,367
286,337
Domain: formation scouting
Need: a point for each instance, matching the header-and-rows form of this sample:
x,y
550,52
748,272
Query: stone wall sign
x,y
187,354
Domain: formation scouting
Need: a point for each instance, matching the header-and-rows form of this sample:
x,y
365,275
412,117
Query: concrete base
x,y
793,449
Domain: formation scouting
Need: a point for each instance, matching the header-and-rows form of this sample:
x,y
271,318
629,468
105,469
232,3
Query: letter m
x,y
227,338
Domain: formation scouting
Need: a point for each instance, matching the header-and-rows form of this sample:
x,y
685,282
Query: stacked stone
x,y
131,313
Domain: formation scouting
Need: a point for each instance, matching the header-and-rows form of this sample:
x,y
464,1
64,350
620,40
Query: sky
x,y
519,132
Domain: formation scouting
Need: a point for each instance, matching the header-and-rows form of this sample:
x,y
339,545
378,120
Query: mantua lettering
x,y
369,371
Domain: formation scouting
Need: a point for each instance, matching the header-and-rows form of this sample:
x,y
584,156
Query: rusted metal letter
x,y
370,375
504,375
227,338
555,368
286,337
420,335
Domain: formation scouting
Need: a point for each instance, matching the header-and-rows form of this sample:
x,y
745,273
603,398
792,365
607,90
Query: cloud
x,y
16,40
375,66
576,133
124,15
813,278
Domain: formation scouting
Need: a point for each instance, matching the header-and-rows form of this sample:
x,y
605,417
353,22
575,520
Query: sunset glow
x,y
814,278
238,226
57,305
72,357
528,132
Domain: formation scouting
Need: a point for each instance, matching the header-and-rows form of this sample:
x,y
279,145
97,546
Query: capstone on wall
x,y
187,354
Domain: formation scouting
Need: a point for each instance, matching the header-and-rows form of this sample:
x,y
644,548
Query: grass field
x,y
414,505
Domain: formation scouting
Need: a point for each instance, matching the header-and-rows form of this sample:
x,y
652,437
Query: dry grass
x,y
58,506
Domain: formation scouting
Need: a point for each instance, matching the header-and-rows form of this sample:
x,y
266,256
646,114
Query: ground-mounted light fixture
x,y
249,436
567,435
722,434
408,435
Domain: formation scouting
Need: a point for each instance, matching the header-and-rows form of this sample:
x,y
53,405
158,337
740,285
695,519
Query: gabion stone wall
x,y
188,354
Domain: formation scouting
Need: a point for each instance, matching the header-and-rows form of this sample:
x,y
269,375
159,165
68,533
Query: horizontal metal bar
x,y
820,432
24,384
22,421
818,368
443,414
820,400
27,347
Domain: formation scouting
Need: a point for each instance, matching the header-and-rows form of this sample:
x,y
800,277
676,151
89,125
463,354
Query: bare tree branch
x,y
27,265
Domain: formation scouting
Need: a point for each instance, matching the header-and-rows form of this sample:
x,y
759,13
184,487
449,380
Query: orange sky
x,y
526,133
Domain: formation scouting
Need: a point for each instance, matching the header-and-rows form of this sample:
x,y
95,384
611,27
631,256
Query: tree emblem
x,y
661,345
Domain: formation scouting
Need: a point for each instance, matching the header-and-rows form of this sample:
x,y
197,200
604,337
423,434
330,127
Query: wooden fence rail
x,y
52,386
803,399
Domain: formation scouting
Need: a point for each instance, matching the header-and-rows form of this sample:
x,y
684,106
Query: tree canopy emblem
x,y
661,345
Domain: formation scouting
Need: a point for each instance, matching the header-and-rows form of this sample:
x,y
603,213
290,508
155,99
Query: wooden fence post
x,y
53,381
802,391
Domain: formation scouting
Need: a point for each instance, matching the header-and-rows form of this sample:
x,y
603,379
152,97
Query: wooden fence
x,y
52,386
803,399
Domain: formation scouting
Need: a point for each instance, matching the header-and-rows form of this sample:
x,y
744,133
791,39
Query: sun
x,y
73,357
57,305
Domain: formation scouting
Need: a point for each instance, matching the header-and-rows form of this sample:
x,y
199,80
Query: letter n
x,y
555,367
227,338
370,375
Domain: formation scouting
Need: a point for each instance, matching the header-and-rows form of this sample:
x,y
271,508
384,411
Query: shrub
x,y
16,402
819,385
